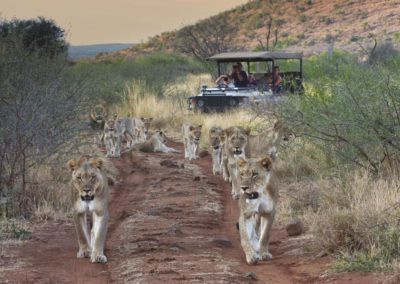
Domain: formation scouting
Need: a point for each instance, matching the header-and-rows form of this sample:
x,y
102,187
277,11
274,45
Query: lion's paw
x,y
100,258
266,256
83,254
252,259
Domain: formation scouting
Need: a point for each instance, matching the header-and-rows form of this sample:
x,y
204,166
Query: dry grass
x,y
172,111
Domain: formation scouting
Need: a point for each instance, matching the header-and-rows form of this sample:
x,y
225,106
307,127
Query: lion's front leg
x,y
82,234
225,170
248,239
235,181
99,232
265,234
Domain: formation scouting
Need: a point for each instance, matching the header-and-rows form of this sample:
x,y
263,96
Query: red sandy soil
x,y
173,223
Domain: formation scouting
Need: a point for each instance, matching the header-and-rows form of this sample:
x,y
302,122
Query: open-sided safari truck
x,y
260,66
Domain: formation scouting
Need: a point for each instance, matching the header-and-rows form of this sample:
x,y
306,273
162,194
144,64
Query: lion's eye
x,y
79,178
254,175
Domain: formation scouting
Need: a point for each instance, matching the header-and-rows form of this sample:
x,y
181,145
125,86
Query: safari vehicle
x,y
258,64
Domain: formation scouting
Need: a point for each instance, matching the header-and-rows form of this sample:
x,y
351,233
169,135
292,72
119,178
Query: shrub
x,y
39,109
358,219
39,35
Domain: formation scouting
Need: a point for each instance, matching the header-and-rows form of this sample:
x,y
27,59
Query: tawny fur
x,y
91,176
216,141
257,204
156,143
191,139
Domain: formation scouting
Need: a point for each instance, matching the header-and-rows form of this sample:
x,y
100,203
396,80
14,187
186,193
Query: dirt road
x,y
171,222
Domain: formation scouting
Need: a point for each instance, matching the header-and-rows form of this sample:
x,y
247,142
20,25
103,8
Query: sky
x,y
115,21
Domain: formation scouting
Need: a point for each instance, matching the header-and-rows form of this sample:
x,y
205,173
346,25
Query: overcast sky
x,y
115,21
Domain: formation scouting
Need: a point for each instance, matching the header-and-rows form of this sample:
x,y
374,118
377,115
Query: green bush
x,y
352,109
107,79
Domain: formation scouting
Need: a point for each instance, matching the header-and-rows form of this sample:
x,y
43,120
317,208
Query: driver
x,y
239,76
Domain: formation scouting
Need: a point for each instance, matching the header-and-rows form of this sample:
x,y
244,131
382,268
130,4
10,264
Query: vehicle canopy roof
x,y
254,56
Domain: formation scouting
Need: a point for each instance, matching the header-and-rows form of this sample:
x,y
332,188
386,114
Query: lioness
x,y
257,205
142,126
97,119
112,138
216,140
155,144
134,130
90,176
191,138
98,116
235,146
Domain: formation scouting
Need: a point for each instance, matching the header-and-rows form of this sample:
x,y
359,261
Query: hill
x,y
90,51
306,25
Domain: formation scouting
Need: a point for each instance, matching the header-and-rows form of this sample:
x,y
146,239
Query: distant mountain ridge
x,y
302,25
91,50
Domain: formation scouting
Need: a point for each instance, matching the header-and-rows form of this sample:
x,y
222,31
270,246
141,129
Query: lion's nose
x,y
244,188
86,190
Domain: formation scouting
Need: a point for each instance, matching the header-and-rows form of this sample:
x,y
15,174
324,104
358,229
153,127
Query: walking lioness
x,y
235,147
257,205
191,138
90,183
216,140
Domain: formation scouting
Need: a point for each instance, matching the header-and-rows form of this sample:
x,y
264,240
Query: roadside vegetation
x,y
339,175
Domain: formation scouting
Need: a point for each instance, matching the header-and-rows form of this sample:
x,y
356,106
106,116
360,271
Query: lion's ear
x,y
247,130
213,129
191,128
200,126
98,163
72,164
266,163
241,162
150,119
142,119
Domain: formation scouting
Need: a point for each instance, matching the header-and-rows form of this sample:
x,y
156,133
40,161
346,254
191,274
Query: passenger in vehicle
x,y
252,80
277,80
265,83
224,81
239,76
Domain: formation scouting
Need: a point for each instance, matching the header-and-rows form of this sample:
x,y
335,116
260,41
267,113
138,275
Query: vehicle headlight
x,y
200,103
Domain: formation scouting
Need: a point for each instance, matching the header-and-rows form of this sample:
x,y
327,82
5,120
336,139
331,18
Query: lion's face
x,y
254,175
146,123
98,113
237,139
195,133
216,137
111,124
87,178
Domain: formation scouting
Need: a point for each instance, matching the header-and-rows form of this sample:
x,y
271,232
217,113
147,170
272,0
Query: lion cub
x,y
191,138
257,205
216,140
90,176
156,143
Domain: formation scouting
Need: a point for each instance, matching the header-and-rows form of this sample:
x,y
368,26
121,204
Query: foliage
x,y
39,107
206,38
108,79
352,110
40,35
